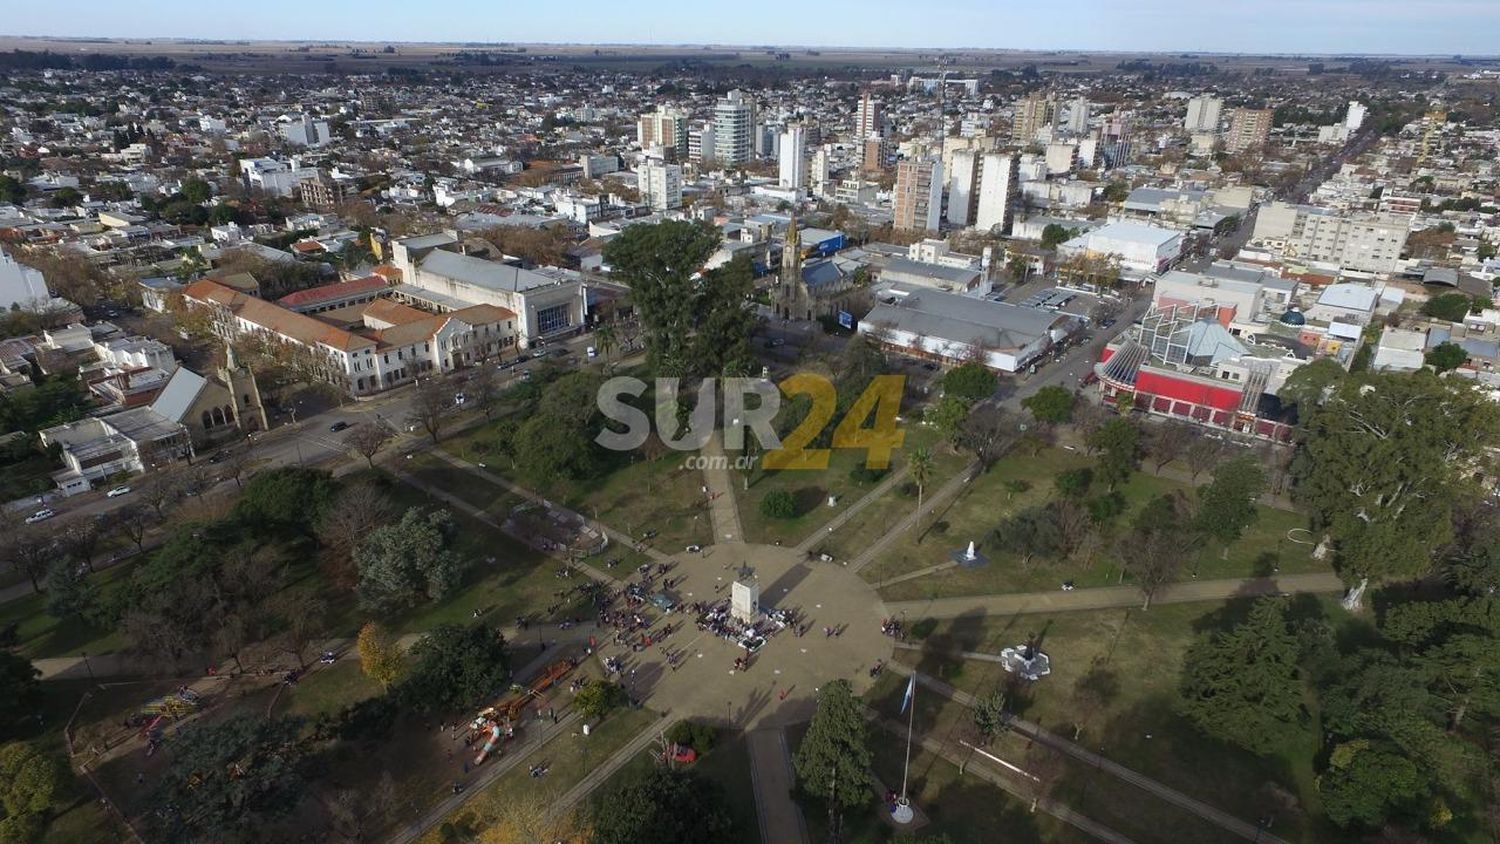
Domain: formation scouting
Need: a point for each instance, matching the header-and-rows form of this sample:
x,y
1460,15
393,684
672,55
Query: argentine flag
x,y
911,689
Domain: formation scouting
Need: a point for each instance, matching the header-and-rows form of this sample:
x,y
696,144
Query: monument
x,y
968,558
744,596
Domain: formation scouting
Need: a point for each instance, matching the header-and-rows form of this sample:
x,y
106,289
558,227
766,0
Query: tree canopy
x,y
18,692
455,667
833,762
230,776
665,805
1384,462
1051,404
1242,685
971,382
1226,505
401,563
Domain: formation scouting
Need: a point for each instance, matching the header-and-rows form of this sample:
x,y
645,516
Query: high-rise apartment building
x,y
1033,114
869,118
1078,116
819,171
792,156
1203,114
701,143
665,127
1355,116
963,187
999,190
1364,242
876,154
1249,128
734,128
918,200
660,185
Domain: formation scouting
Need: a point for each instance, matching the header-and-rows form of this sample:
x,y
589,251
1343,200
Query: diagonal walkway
x,y
853,510
722,508
606,769
771,773
1222,819
1110,597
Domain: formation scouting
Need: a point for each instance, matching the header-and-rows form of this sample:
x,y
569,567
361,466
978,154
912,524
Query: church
x,y
807,290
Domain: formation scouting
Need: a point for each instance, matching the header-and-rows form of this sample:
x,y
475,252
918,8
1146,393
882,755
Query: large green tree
x,y
663,265
1226,505
1368,782
1118,442
1051,404
1384,462
833,762
401,563
19,692
229,777
666,806
1242,684
971,381
31,782
455,667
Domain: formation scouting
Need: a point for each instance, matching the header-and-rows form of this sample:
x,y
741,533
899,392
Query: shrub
x,y
778,504
863,474
699,736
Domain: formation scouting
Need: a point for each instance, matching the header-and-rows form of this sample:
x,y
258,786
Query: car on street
x,y
117,492
338,426
775,342
41,515
539,353
693,549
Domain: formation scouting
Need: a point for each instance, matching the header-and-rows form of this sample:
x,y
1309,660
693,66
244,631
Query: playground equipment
x,y
496,724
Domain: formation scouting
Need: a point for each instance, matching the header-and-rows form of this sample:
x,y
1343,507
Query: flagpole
x,y
903,812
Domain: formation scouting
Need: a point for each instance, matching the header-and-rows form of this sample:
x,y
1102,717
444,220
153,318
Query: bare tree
x,y
367,439
1202,454
1278,461
431,405
1165,442
81,541
301,621
1046,766
989,432
132,521
31,550
1154,558
160,489
484,388
358,509
236,463
358,814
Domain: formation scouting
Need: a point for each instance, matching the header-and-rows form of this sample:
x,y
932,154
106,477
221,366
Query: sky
x,y
1441,27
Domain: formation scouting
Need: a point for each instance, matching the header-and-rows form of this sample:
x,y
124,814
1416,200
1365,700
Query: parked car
x,y
117,492
538,353
459,399
592,352
338,426
41,515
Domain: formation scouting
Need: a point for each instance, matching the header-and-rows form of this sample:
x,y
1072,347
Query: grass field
x,y
1138,655
41,635
984,504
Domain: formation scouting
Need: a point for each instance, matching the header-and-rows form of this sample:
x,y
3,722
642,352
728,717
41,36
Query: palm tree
x,y
606,340
921,470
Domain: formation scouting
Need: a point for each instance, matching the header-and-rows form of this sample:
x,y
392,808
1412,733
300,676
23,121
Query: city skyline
x,y
1434,27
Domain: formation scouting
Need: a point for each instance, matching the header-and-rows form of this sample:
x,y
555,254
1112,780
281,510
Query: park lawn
x,y
569,758
1263,549
1137,726
810,488
468,487
728,764
327,689
42,636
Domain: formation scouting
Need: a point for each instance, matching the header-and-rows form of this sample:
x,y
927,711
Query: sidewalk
x,y
1109,597
853,510
722,509
771,773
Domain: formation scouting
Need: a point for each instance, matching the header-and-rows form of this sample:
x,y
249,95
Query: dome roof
x,y
1293,317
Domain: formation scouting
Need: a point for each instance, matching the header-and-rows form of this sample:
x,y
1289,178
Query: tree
x,y
778,504
483,388
1155,549
607,340
1242,685
1031,533
431,405
988,432
19,691
1367,782
298,618
1074,483
1452,307
1385,462
661,264
597,700
230,777
81,541
1055,234
402,562
70,594
31,551
667,805
379,655
367,439
132,521
196,191
920,467
948,416
1051,404
1445,356
1226,505
31,781
833,762
990,716
1311,383
1092,693
455,667
288,499
1118,444
1202,454
970,381
357,510
1166,442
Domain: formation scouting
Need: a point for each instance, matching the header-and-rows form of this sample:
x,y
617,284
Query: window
x,y
208,420
555,318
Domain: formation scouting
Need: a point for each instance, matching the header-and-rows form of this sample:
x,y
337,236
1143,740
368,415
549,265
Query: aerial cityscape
x,y
837,422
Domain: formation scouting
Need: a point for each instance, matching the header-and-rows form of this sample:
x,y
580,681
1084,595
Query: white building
x,y
660,185
734,128
21,286
1078,116
304,131
963,187
1363,242
792,159
999,191
819,171
952,327
664,128
1203,114
1140,248
1062,157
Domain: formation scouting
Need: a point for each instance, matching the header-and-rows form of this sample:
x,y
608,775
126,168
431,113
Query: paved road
x,y
1223,820
1109,597
781,820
